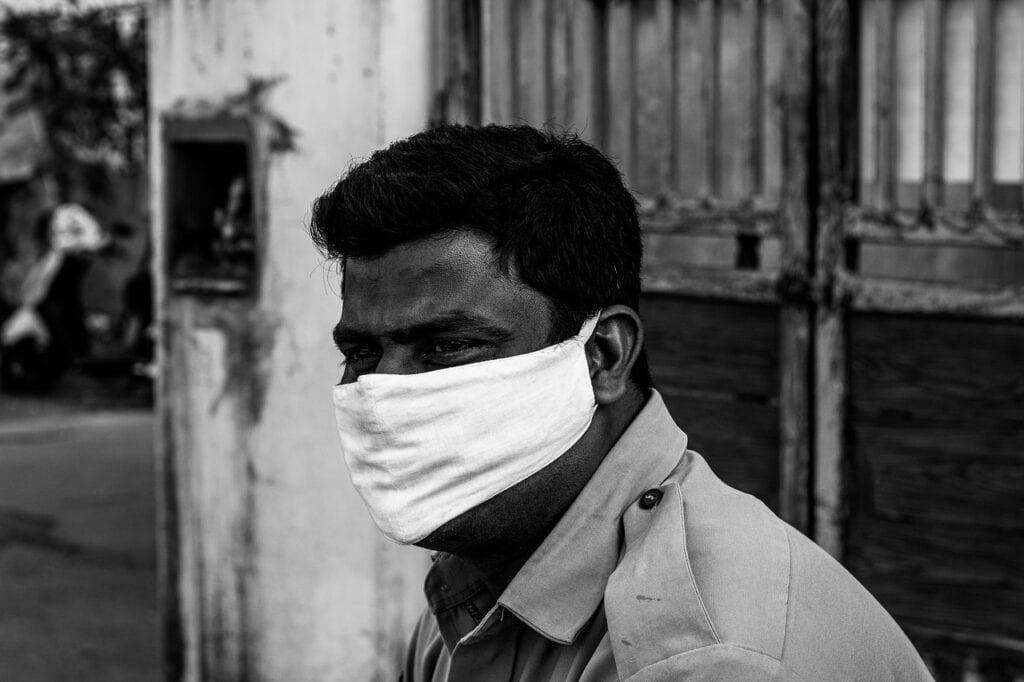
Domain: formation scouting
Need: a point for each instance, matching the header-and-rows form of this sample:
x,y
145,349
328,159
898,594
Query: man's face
x,y
439,303
433,304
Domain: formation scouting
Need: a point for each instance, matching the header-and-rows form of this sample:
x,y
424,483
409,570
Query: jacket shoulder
x,y
711,568
863,641
707,566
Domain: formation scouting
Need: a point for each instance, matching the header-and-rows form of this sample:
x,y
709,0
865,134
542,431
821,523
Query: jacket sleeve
x,y
716,663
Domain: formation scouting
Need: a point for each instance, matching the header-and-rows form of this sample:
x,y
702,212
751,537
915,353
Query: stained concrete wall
x,y
272,570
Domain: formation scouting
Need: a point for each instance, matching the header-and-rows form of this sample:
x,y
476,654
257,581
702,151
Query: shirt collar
x,y
562,584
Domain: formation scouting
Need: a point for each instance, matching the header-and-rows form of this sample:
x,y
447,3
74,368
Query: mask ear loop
x,y
588,328
582,336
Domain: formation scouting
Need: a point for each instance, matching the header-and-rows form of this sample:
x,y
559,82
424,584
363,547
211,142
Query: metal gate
x,y
783,152
919,379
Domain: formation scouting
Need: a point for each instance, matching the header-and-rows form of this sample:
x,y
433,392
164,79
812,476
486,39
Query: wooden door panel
x,y
716,363
687,97
935,441
739,438
934,372
714,346
706,106
703,105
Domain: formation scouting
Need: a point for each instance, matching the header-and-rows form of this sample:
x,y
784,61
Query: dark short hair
x,y
555,208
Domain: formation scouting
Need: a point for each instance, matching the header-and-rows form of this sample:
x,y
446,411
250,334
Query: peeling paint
x,y
250,102
262,538
168,538
250,338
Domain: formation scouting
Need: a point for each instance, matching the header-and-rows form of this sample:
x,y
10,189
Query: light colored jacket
x,y
660,571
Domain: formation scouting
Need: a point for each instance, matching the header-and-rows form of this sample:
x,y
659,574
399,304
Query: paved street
x,y
77,547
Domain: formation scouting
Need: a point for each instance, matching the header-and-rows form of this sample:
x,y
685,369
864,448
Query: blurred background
x,y
77,506
832,195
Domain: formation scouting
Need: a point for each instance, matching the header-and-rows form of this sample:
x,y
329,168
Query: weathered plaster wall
x,y
272,569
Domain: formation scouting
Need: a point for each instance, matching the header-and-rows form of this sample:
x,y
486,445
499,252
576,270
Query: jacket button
x,y
650,499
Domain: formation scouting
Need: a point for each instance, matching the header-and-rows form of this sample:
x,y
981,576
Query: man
x,y
496,407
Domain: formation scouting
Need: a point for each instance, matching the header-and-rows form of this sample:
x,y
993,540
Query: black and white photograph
x,y
511,340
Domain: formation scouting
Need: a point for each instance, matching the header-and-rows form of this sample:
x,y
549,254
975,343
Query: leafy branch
x,y
85,71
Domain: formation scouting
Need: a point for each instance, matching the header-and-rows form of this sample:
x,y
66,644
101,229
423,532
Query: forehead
x,y
425,279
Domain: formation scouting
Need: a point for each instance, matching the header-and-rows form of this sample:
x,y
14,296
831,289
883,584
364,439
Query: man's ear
x,y
612,351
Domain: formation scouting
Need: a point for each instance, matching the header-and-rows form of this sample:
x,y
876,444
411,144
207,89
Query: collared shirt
x,y
659,571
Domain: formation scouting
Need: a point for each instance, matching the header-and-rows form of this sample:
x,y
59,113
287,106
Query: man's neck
x,y
498,567
498,574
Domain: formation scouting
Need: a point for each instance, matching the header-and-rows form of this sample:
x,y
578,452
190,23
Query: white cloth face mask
x,y
424,448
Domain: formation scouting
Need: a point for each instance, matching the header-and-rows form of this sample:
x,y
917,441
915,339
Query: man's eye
x,y
359,353
449,346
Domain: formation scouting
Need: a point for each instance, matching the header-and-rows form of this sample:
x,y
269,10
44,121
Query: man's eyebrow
x,y
343,335
456,321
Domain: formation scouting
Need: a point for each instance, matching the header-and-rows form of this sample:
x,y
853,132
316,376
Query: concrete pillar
x,y
272,569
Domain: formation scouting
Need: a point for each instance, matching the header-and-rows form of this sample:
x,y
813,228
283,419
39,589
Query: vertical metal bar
x,y
1007,90
543,16
587,74
867,100
794,451
560,61
773,83
1021,198
1021,188
455,100
885,125
934,100
757,100
982,101
524,53
455,58
652,46
795,224
499,62
470,67
690,131
532,52
830,415
710,22
486,61
908,102
667,26
736,54
514,48
621,86
958,110
829,351
439,61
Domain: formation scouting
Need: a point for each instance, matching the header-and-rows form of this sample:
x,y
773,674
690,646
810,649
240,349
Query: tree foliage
x,y
85,71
